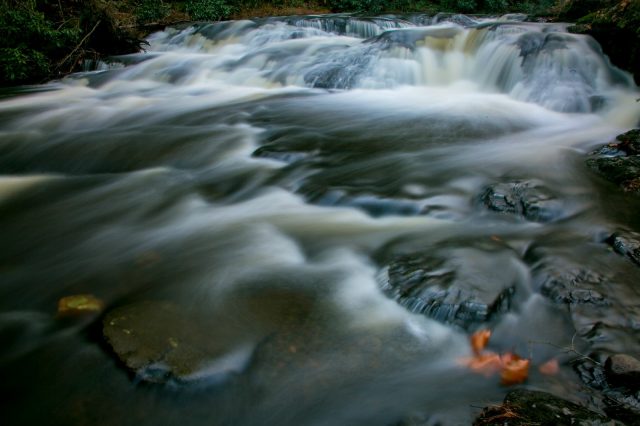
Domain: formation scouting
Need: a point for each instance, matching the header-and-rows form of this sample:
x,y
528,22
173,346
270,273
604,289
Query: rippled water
x,y
261,176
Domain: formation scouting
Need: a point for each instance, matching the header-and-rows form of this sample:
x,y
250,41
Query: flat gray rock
x,y
162,343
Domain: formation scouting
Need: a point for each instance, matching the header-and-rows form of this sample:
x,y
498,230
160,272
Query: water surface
x,y
262,175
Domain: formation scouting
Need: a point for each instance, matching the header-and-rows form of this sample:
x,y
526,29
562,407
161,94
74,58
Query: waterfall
x,y
300,221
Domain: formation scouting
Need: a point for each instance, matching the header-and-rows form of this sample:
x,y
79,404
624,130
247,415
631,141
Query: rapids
x,y
263,174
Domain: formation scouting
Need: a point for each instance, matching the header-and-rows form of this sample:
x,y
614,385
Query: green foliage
x,y
151,11
31,44
370,6
464,6
19,65
496,6
376,6
208,10
534,7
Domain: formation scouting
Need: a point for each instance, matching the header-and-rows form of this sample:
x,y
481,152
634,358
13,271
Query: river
x,y
271,189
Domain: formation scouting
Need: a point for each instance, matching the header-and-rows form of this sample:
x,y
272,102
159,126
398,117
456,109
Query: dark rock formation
x,y
527,199
626,243
619,161
621,170
620,402
614,24
528,407
458,286
568,283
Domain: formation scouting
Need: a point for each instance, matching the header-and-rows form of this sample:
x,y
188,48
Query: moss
x,y
616,26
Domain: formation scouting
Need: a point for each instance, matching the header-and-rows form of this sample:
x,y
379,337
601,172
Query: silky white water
x,y
261,175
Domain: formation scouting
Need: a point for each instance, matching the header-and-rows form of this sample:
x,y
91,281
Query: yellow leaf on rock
x,y
79,304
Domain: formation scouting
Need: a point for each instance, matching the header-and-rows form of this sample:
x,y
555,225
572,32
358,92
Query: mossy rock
x,y
162,343
527,407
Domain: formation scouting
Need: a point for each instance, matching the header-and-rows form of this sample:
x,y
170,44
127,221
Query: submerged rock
x,y
528,407
627,244
457,286
619,161
527,199
162,343
569,284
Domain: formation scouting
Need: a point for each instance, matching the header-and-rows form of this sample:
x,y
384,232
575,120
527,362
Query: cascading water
x,y
255,188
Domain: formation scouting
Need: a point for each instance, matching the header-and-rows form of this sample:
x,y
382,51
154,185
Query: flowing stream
x,y
267,180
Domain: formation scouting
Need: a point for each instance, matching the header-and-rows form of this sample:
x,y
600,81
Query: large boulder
x,y
163,343
460,286
623,370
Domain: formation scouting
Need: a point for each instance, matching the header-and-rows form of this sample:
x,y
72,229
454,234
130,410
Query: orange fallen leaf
x,y
479,340
512,368
486,364
550,367
514,372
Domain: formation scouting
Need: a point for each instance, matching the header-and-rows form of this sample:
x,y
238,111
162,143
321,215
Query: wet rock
x,y
161,343
527,407
456,286
284,154
374,205
623,370
625,408
619,161
620,403
462,20
623,171
591,372
571,285
629,142
627,244
527,199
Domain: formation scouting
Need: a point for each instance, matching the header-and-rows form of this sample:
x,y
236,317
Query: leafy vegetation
x,y
208,10
30,43
151,11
